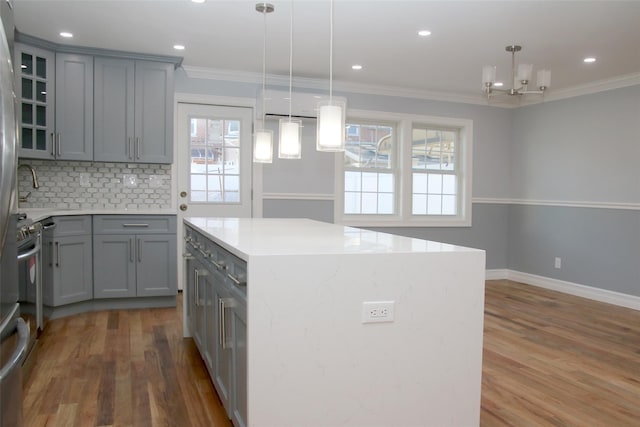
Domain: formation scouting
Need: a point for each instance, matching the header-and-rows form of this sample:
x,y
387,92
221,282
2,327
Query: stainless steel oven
x,y
29,258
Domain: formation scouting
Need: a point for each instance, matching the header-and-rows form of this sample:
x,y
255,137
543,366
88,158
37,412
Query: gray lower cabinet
x,y
134,256
133,111
67,260
217,317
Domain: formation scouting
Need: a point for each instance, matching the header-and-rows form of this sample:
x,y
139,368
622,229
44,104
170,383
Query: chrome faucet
x,y
34,177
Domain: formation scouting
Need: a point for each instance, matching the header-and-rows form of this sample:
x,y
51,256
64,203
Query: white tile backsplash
x,y
88,185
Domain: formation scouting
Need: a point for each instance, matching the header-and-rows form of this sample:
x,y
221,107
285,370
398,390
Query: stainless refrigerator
x,y
14,333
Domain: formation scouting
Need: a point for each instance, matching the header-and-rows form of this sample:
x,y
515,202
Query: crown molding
x,y
480,99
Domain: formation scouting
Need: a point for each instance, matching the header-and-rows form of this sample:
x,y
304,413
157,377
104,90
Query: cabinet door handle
x,y
138,143
235,280
221,322
59,144
196,283
139,245
135,225
53,144
130,153
57,254
131,250
51,254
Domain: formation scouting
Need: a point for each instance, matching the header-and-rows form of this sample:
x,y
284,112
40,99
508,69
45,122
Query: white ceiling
x,y
380,35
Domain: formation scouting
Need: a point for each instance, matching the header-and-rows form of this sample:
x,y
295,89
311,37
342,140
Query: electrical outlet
x,y
377,311
558,263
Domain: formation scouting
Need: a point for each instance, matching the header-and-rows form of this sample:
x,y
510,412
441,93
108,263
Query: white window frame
x,y
403,173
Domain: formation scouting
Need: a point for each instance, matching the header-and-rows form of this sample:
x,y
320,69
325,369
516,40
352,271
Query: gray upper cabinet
x,y
133,111
74,107
55,113
35,90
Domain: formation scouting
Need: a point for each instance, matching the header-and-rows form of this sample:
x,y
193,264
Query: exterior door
x,y
213,163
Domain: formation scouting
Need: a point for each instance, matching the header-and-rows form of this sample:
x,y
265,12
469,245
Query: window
x,y
215,166
404,170
433,165
369,181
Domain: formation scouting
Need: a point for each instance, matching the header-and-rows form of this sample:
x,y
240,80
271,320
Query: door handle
x,y
57,254
196,281
15,360
131,250
183,207
138,143
139,245
130,147
59,144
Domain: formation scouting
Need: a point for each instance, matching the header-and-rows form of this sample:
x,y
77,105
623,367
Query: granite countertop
x,y
38,214
247,237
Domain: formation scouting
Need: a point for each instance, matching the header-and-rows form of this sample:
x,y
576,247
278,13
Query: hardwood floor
x,y
549,359
120,368
552,359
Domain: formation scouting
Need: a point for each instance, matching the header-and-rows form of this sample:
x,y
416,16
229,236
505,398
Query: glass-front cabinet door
x,y
35,85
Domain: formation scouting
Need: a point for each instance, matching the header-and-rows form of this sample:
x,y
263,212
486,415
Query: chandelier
x,y
520,80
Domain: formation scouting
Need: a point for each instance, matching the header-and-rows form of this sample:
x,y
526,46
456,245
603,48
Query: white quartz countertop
x,y
271,236
37,214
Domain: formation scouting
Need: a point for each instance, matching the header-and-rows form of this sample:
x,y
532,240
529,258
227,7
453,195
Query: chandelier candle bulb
x,y
290,137
488,74
544,79
524,72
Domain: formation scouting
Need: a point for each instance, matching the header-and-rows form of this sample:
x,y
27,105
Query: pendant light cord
x,y
264,67
290,57
331,52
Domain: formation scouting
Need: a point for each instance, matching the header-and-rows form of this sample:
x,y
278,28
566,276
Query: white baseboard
x,y
597,294
496,274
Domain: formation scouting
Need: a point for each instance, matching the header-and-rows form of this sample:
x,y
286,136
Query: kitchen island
x,y
318,355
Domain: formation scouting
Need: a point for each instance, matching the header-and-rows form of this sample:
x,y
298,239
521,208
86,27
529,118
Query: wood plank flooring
x,y
549,360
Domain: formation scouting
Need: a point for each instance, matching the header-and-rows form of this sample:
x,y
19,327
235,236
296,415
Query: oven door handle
x,y
28,254
20,351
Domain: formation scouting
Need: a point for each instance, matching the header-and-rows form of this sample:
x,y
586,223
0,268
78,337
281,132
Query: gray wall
x,y
583,149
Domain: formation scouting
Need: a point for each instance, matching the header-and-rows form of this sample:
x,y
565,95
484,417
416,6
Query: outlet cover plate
x,y
377,311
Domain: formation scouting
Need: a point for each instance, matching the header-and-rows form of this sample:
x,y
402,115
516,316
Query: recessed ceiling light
x,y
356,67
589,59
498,84
424,33
178,47
66,34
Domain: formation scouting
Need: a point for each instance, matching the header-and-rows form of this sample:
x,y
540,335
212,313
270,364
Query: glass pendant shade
x,y
331,126
290,146
544,79
488,74
263,146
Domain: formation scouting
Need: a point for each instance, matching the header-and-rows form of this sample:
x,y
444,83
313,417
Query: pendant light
x,y
331,113
263,138
289,146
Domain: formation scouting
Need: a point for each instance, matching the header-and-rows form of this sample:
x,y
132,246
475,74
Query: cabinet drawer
x,y
134,224
68,225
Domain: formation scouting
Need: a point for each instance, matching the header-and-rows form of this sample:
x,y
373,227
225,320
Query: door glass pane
x,y
27,138
41,91
27,64
27,114
41,115
41,67
41,139
27,88
215,159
